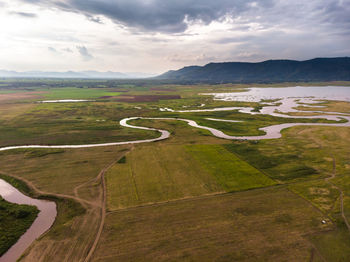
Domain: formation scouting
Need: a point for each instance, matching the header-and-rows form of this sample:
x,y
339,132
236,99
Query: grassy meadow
x,y
192,197
256,225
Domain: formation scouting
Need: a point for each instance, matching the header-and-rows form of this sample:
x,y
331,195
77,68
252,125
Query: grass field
x,y
56,170
330,106
333,245
161,173
67,124
285,159
156,173
319,192
259,225
232,173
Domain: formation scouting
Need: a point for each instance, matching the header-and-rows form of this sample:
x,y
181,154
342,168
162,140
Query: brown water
x,y
41,224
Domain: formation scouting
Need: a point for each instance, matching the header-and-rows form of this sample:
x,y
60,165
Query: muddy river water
x,y
41,224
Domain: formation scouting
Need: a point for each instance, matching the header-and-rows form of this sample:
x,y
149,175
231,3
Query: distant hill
x,y
72,74
318,69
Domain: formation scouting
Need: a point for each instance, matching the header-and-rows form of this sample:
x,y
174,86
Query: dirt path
x,y
33,252
41,192
101,177
100,204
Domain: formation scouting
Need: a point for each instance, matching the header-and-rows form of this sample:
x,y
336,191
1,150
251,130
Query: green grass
x,y
319,192
56,172
279,162
14,222
151,174
156,173
68,210
231,172
77,93
70,124
122,160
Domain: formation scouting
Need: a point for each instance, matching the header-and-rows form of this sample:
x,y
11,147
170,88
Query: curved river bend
x,y
41,224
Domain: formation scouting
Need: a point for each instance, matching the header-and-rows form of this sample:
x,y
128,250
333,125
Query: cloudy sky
x,y
154,36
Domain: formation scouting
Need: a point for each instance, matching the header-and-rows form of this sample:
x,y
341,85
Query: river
x,y
41,224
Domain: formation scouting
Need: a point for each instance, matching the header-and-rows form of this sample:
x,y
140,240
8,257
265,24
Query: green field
x,y
67,123
161,173
156,174
232,173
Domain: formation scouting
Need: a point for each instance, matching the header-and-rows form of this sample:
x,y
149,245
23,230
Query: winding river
x,y
47,209
41,224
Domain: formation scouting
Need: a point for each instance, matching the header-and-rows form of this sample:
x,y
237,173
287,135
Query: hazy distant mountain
x,y
318,69
72,74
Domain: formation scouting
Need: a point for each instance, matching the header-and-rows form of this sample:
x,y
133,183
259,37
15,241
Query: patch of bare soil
x,y
19,96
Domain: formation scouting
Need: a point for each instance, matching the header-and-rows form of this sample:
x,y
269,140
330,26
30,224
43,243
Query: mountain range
x,y
73,74
318,69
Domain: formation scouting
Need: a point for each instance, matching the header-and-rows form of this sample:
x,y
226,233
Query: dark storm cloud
x,y
171,15
24,14
159,15
337,13
95,19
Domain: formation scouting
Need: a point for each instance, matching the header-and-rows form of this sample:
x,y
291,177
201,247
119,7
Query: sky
x,y
154,36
